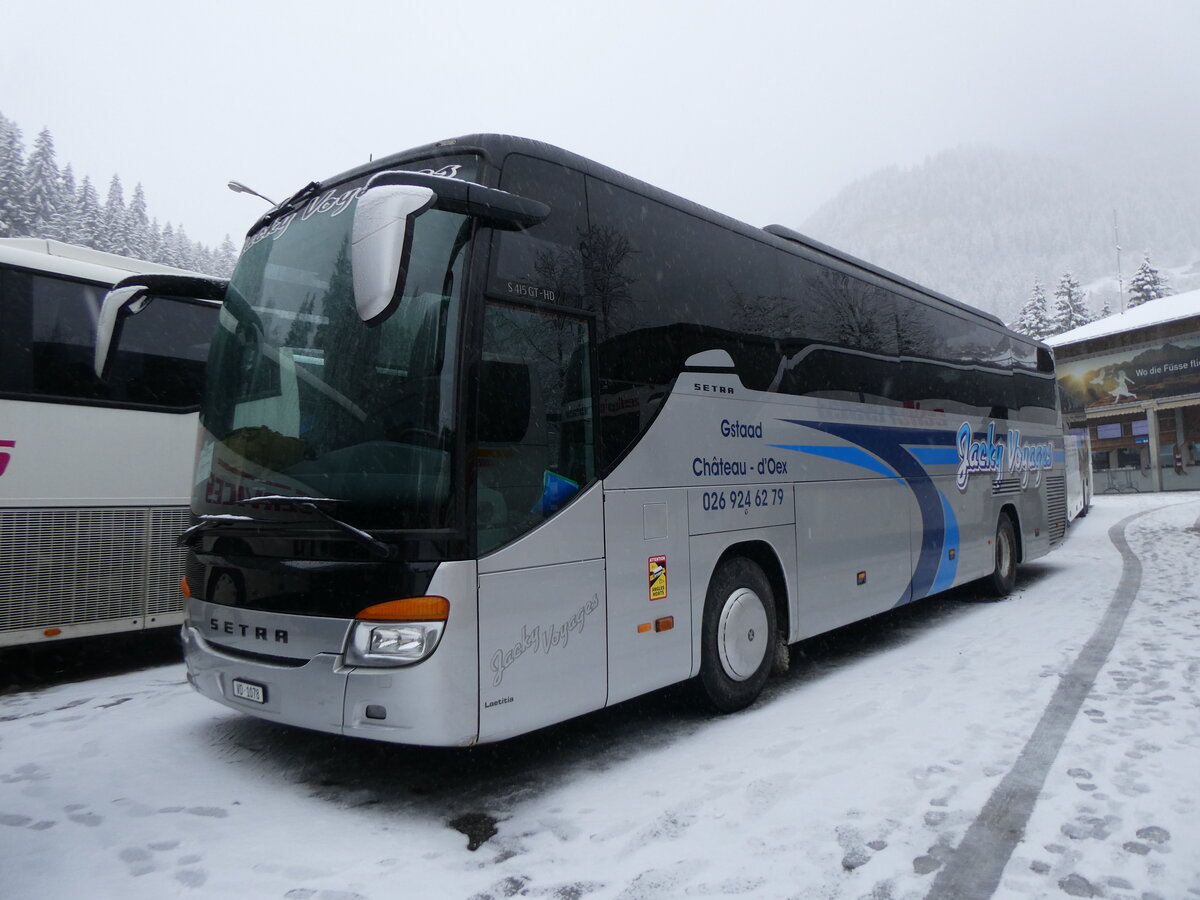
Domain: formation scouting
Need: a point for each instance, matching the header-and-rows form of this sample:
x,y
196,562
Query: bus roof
x,y
495,147
44,255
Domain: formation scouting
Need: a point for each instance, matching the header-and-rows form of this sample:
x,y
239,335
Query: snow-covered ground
x,y
956,748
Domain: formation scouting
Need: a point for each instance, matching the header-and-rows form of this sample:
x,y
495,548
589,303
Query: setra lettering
x,y
257,632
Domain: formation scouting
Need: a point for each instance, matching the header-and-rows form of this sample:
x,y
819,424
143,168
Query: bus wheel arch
x,y
1007,553
739,631
1011,511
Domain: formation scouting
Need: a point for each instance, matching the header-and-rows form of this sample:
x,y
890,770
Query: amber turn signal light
x,y
410,609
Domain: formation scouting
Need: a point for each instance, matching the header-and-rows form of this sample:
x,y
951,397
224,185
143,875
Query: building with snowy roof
x,y
1132,380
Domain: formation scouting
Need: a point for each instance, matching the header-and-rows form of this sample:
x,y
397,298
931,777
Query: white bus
x,y
494,436
94,477
1078,451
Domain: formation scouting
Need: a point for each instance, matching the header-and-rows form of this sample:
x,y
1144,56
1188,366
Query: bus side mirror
x,y
381,245
381,234
131,295
118,305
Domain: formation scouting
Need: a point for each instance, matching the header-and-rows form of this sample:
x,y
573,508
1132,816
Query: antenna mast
x,y
1117,244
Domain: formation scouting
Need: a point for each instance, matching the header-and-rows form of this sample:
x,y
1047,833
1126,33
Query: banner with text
x,y
1130,376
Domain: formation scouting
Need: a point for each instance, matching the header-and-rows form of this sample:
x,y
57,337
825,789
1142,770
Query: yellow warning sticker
x,y
658,577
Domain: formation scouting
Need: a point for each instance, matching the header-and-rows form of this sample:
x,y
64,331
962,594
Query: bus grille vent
x,y
1056,507
166,561
66,566
1002,487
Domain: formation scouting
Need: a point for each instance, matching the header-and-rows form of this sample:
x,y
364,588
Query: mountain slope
x,y
981,224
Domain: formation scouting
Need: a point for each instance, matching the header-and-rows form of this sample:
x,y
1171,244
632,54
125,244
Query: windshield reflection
x,y
303,399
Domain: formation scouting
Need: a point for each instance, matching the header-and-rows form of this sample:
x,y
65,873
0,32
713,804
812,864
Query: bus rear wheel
x,y
738,636
1004,577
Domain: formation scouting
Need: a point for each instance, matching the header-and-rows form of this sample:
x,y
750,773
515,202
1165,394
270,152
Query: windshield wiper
x,y
379,549
271,215
208,522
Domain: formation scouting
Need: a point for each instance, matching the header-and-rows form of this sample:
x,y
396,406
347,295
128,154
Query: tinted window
x,y
841,340
665,284
535,423
951,363
544,262
48,332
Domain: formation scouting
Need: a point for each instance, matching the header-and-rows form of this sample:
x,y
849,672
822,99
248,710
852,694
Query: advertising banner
x,y
1131,375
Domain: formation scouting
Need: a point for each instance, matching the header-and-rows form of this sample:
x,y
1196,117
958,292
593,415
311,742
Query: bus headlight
x,y
397,633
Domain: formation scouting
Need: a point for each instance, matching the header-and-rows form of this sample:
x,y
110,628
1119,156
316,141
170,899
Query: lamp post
x,y
238,188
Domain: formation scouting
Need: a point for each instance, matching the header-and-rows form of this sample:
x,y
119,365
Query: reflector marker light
x,y
953,553
644,627
410,609
861,578
52,632
666,623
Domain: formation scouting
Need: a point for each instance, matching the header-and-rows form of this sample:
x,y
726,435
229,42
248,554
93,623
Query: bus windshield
x,y
303,399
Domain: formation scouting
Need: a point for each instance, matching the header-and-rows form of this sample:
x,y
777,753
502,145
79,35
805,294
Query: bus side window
x,y
543,263
49,326
534,424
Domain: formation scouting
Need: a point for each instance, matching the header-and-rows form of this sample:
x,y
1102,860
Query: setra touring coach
x,y
493,436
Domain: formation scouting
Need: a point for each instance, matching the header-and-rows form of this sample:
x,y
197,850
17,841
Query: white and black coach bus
x,y
94,475
494,436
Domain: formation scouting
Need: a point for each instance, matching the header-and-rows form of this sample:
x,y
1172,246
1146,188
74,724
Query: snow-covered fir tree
x,y
12,180
1105,310
89,217
226,257
42,186
167,245
1070,305
37,199
1147,284
137,225
154,241
113,236
1034,318
185,253
65,226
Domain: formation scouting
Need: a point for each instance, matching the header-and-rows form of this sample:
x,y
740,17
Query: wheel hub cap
x,y
739,640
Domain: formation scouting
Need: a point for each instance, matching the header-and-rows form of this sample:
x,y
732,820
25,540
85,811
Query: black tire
x,y
1004,577
738,636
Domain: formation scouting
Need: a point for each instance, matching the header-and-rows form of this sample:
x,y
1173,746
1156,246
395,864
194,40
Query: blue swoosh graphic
x,y
935,456
853,455
901,453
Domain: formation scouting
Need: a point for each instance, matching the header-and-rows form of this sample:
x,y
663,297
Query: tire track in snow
x,y
973,872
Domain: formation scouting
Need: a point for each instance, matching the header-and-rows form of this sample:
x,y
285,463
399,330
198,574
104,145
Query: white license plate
x,y
247,690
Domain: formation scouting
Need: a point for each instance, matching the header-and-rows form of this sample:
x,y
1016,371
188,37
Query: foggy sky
x,y
759,110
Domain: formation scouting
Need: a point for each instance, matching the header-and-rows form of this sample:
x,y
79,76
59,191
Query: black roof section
x,y
495,147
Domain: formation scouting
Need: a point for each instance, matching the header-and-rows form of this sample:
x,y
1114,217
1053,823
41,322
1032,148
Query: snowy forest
x,y
997,229
40,199
1040,319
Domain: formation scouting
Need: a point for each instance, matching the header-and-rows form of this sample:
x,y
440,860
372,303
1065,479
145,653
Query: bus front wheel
x,y
1004,577
738,635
